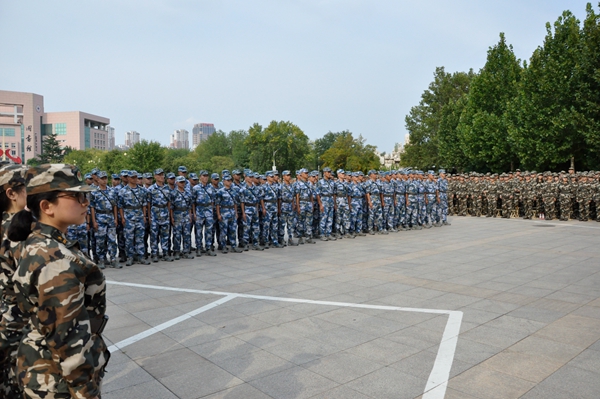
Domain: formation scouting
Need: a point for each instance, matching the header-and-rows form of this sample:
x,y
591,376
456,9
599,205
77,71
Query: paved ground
x,y
529,293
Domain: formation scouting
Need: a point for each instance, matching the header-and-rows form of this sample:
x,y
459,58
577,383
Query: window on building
x,y
60,129
13,145
7,132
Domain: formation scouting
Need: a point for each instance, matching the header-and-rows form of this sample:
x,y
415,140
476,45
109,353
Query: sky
x,y
155,66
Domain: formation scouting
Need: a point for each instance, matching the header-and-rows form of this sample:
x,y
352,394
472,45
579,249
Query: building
x,y
78,130
111,137
180,139
24,123
131,138
201,132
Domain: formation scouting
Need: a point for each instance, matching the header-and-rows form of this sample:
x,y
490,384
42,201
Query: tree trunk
x,y
573,163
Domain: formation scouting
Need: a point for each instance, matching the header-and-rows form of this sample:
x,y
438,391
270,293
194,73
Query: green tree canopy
x,y
350,153
146,156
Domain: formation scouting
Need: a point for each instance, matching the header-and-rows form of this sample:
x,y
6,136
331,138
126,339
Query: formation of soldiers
x,y
153,216
547,195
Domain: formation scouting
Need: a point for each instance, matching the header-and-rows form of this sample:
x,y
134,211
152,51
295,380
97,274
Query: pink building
x,y
78,129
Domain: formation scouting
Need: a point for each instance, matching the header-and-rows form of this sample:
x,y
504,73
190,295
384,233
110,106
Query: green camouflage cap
x,y
55,177
12,176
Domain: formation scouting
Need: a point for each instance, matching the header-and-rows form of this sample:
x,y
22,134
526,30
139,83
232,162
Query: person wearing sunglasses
x,y
13,198
61,292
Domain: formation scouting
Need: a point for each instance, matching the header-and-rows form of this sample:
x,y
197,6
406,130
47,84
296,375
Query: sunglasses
x,y
82,198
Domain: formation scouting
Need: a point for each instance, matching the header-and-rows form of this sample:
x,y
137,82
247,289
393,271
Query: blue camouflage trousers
x,y
228,227
160,230
342,216
421,209
305,216
251,226
106,238
400,210
412,217
133,232
388,213
326,222
287,219
375,215
181,232
79,233
204,226
431,209
356,216
442,209
270,224
316,220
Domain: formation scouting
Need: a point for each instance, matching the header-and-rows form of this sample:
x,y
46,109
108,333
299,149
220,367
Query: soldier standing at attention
x,y
103,205
270,199
133,208
443,203
374,203
203,196
250,201
61,292
159,198
326,200
226,209
304,207
388,190
181,216
13,198
121,223
287,213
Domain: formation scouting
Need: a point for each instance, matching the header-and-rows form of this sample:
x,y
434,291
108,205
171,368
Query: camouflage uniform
x,y
304,224
411,204
342,209
270,196
388,190
159,198
444,200
432,204
550,193
326,191
204,197
356,213
228,224
421,208
103,202
400,212
79,233
62,293
181,206
565,193
250,196
584,198
132,201
288,215
375,218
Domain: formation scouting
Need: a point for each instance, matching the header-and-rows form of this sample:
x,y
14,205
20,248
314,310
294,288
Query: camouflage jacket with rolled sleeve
x,y
61,291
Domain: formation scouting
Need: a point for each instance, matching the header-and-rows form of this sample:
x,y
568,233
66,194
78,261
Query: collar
x,y
53,233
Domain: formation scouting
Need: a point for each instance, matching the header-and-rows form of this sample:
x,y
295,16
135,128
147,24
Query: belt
x,y
287,201
326,195
133,207
249,204
97,324
357,196
226,206
207,204
387,195
103,212
271,201
180,209
159,206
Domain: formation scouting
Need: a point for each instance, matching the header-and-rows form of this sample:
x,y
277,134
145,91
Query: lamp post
x,y
274,152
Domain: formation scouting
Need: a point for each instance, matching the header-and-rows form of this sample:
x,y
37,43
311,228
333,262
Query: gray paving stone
x,y
147,390
293,383
388,383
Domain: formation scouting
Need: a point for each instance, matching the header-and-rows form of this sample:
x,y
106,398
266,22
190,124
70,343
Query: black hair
x,y
5,201
20,226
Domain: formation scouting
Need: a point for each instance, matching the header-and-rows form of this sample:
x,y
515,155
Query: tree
x,y
86,160
283,141
212,152
320,146
423,120
146,156
452,154
483,126
51,150
351,154
546,120
114,161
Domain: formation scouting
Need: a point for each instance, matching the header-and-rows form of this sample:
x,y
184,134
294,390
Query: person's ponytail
x,y
20,226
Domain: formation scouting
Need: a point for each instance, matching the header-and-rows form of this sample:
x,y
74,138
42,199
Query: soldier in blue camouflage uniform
x,y
388,189
159,202
431,200
357,195
237,185
325,188
103,203
124,179
250,202
342,206
313,179
288,211
13,198
412,190
443,205
400,188
203,195
181,217
79,232
226,215
60,291
374,198
131,201
304,207
421,207
270,198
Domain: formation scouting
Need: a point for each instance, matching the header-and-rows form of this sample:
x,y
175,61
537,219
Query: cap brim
x,y
84,188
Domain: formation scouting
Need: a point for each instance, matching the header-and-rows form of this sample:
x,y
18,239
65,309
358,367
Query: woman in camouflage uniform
x,y
13,198
61,292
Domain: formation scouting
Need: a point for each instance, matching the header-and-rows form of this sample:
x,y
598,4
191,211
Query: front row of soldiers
x,y
545,195
148,221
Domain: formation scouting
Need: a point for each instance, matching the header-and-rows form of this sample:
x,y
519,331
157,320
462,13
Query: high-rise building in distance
x,y
201,132
180,139
131,138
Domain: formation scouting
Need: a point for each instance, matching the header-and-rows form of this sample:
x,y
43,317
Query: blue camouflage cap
x,y
94,171
340,171
285,172
314,173
194,176
102,174
132,173
88,176
116,176
276,173
372,172
179,179
262,177
303,170
227,177
236,172
256,175
147,175
215,176
124,172
170,175
203,173
442,171
269,174
158,171
430,172
182,169
327,169
247,172
225,172
360,173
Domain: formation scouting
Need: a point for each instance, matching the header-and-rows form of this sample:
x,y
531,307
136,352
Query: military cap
x,y
262,177
236,172
276,173
314,173
442,171
215,176
116,176
203,173
179,179
193,176
372,172
132,173
94,171
533,172
182,169
256,175
269,174
102,174
147,175
124,172
170,175
247,171
340,171
360,173
225,172
227,177
287,172
327,169
158,171
88,176
12,176
430,172
303,170
55,177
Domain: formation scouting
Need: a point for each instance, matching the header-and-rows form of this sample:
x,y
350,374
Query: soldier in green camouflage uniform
x,y
13,198
59,289
477,188
491,193
565,191
584,196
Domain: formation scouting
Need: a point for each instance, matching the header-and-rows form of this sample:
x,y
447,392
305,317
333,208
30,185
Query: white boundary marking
x,y
436,383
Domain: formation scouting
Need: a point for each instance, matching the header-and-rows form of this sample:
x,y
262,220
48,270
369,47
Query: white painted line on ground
x,y
438,379
144,334
557,223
